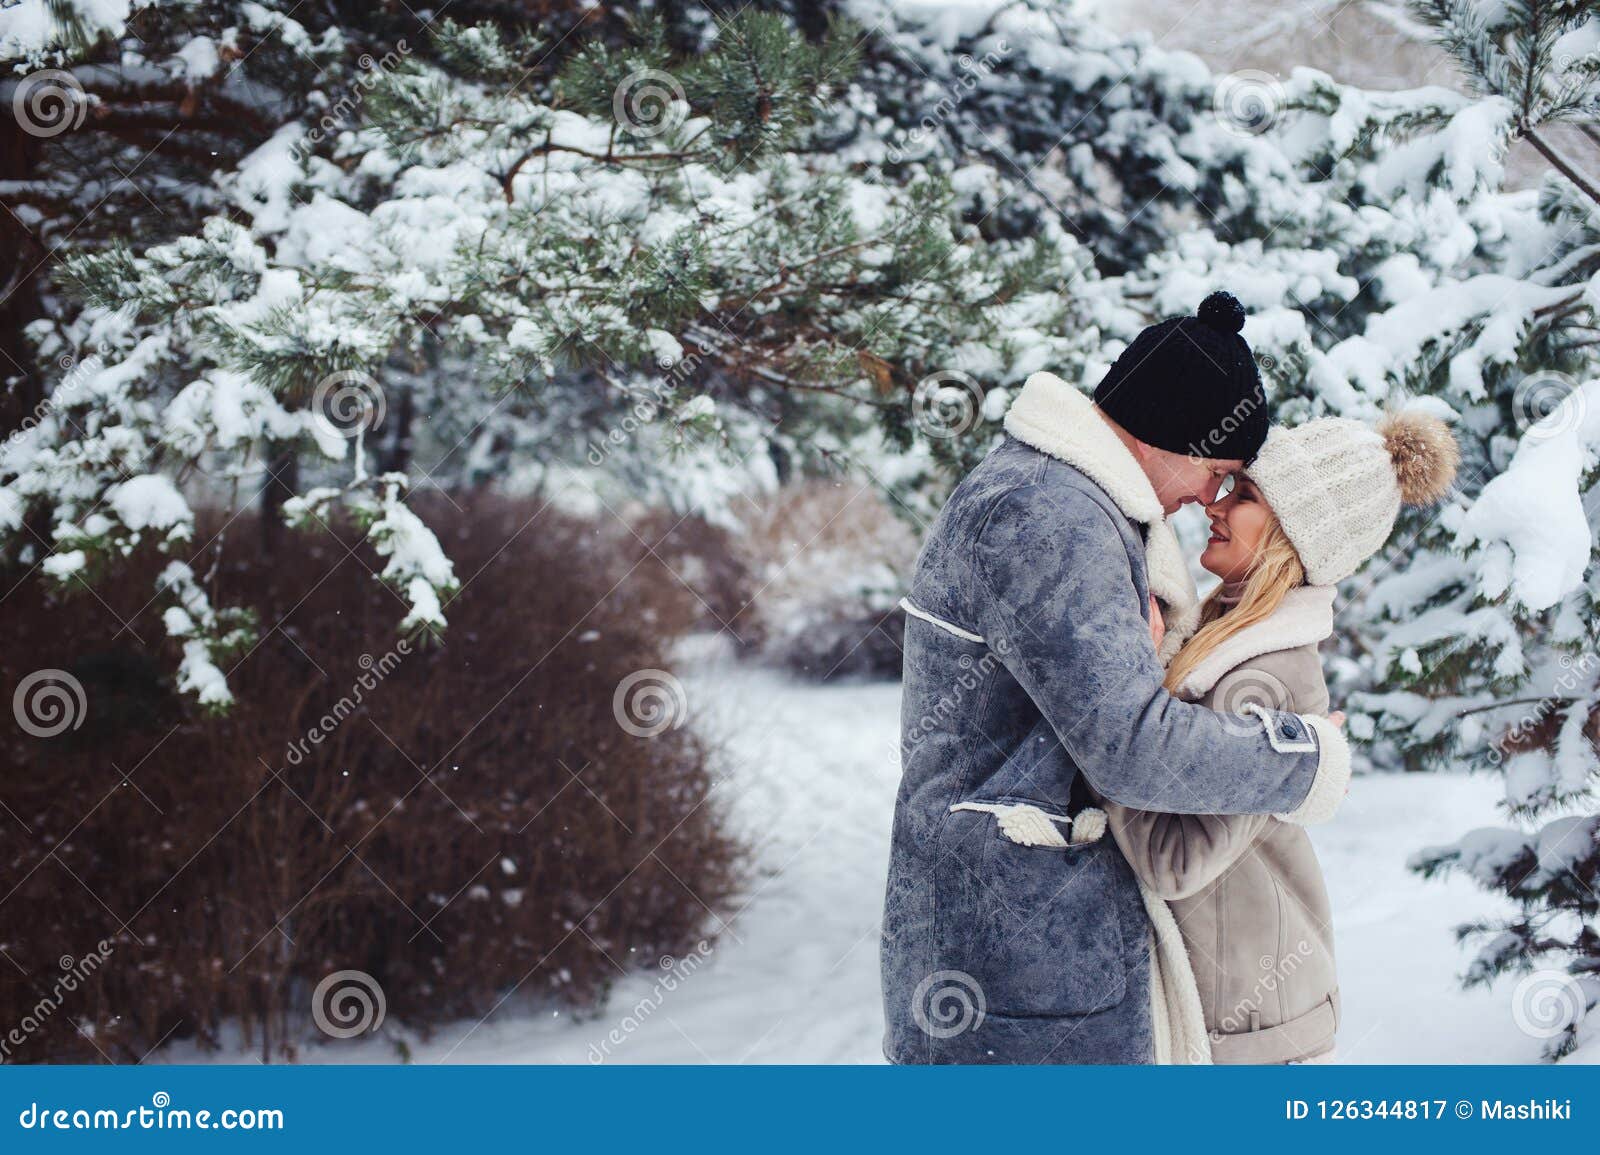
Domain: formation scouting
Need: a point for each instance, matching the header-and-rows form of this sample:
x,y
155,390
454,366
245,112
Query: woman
x,y
1252,979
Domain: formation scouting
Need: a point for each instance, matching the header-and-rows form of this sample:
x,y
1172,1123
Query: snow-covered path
x,y
811,777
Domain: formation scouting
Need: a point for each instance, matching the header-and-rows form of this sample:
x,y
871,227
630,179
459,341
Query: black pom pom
x,y
1222,312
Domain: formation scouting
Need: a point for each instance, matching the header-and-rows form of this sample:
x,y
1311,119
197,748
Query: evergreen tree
x,y
593,259
1383,264
1482,621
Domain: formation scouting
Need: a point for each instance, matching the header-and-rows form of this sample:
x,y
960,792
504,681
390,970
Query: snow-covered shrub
x,y
830,560
462,820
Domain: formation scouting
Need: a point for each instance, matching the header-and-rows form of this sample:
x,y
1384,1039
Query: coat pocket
x,y
1042,935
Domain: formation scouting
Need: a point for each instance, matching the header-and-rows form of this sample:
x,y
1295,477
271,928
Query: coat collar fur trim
x,y
1057,419
1304,617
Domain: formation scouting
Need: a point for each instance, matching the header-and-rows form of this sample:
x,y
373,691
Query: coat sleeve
x,y
1177,855
1055,597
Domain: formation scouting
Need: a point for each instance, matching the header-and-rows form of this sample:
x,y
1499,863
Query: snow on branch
x,y
1530,524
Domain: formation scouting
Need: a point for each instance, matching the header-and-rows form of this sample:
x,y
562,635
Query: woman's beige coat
x,y
1245,891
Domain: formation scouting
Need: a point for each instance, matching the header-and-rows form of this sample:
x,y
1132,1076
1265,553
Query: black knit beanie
x,y
1190,385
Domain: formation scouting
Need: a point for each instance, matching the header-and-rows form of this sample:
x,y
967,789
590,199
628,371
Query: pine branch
x,y
1529,47
1463,32
125,100
1500,705
1585,183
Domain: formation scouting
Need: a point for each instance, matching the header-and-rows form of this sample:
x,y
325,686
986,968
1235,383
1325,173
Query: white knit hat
x,y
1337,485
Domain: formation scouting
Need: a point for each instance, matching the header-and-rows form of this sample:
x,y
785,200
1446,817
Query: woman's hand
x,y
1158,624
1337,718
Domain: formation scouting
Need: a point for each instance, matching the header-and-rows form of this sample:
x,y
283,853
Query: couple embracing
x,y
1099,851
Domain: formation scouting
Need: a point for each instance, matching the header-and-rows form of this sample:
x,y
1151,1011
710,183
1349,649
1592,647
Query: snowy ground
x,y
794,976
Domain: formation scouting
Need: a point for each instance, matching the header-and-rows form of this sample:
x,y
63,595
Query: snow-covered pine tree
x,y
123,113
115,124
1308,198
590,261
1383,262
1483,619
904,251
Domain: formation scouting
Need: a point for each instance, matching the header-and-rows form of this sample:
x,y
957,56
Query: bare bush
x,y
830,559
472,823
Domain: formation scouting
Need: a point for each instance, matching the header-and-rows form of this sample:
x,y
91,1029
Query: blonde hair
x,y
1276,571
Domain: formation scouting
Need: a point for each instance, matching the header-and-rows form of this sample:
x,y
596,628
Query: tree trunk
x,y
19,285
395,456
283,481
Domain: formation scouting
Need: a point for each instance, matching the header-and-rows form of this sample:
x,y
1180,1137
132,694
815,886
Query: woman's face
x,y
1239,521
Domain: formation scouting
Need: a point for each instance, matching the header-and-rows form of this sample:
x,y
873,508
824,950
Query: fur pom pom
x,y
1424,453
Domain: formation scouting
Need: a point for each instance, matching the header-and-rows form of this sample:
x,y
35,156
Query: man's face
x,y
1179,478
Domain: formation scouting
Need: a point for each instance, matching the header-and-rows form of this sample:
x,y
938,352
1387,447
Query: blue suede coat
x,y
1037,667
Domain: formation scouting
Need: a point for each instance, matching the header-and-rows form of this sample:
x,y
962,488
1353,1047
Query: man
x,y
1012,933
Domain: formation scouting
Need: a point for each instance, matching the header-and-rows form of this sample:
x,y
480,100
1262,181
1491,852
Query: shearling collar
x,y
1057,419
1304,617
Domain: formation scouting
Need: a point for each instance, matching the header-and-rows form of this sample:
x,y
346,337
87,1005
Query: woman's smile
x,y
1239,519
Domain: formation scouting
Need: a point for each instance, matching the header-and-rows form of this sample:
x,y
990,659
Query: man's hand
x,y
1158,624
